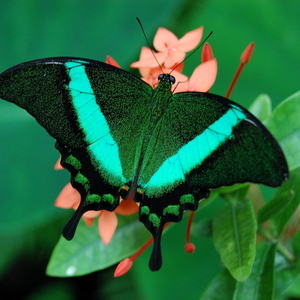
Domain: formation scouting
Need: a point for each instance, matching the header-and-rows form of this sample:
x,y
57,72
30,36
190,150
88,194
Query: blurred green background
x,y
29,224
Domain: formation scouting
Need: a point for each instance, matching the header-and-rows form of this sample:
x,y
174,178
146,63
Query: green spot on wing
x,y
155,220
145,210
81,179
109,198
93,198
172,210
189,198
73,161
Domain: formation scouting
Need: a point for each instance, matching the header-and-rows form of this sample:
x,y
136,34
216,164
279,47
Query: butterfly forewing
x,y
214,143
39,87
126,107
84,103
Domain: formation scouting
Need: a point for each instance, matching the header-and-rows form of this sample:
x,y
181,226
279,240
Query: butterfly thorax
x,y
161,97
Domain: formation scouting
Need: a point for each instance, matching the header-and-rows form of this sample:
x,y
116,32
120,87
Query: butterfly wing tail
x,y
70,227
156,213
155,261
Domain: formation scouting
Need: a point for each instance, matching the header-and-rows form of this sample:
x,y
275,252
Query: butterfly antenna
x,y
193,51
140,23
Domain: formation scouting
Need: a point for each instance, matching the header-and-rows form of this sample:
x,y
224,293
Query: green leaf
x,y
221,287
294,289
274,206
205,202
234,234
279,221
260,284
233,188
236,195
296,244
284,124
202,228
285,275
86,253
261,107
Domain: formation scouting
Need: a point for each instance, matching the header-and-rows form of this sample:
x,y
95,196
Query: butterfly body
x,y
114,131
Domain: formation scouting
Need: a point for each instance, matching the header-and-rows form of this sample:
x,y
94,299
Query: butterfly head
x,y
166,78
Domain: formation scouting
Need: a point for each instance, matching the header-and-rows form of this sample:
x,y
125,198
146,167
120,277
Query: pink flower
x,y
169,60
202,78
107,220
171,50
111,61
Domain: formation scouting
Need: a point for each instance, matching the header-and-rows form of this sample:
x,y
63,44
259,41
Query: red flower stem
x,y
142,249
245,57
235,78
189,225
145,246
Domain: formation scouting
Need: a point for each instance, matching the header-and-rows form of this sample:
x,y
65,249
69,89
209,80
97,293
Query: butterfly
x,y
119,138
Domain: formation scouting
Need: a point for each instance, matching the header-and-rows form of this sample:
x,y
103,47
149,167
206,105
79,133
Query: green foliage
x,y
261,107
280,219
284,124
220,288
234,230
87,253
271,271
259,285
